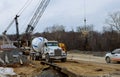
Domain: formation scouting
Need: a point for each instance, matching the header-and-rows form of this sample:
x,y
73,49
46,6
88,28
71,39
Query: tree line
x,y
85,37
89,41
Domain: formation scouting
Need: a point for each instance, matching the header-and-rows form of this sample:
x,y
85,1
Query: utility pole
x,y
17,30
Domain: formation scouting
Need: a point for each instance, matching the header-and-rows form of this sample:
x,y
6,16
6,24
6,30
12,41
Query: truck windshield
x,y
52,44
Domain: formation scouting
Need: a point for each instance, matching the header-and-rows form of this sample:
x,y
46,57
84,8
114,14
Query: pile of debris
x,y
12,57
7,72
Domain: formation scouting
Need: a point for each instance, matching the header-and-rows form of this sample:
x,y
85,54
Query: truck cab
x,y
52,51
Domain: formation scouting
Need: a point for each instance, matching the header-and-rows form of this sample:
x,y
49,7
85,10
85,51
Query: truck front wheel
x,y
47,58
36,57
63,60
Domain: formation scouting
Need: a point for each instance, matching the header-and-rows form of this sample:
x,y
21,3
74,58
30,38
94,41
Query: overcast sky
x,y
69,13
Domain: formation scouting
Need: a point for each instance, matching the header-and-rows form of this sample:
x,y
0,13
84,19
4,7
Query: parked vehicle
x,y
113,56
48,49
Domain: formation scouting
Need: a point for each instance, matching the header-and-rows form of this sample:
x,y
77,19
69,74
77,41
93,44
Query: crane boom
x,y
17,30
37,15
4,33
32,24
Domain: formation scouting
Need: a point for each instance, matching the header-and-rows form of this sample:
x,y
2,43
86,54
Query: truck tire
x,y
40,57
63,60
36,57
47,58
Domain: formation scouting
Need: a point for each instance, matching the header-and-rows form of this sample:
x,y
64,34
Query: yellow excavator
x,y
62,45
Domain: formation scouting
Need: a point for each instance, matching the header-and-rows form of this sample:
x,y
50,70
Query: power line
x,y
8,26
27,3
85,13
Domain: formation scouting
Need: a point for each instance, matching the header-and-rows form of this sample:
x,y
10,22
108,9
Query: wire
x,y
36,5
84,9
85,14
8,26
19,13
27,3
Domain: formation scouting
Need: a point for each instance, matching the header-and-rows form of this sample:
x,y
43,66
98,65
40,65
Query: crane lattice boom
x,y
37,15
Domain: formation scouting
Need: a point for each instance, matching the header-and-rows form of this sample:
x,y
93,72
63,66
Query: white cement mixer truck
x,y
47,49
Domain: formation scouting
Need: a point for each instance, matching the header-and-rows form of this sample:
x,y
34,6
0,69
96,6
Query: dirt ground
x,y
79,64
85,57
31,70
90,69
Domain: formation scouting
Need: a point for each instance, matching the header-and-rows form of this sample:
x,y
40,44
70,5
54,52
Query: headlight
x,y
64,53
51,53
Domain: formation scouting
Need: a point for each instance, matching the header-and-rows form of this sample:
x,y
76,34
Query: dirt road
x,y
85,57
79,64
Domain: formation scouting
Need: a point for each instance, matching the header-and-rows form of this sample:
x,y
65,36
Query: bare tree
x,y
85,30
114,20
55,28
107,28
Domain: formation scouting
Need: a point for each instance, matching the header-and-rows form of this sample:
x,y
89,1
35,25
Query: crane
x,y
34,21
37,15
31,25
10,44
